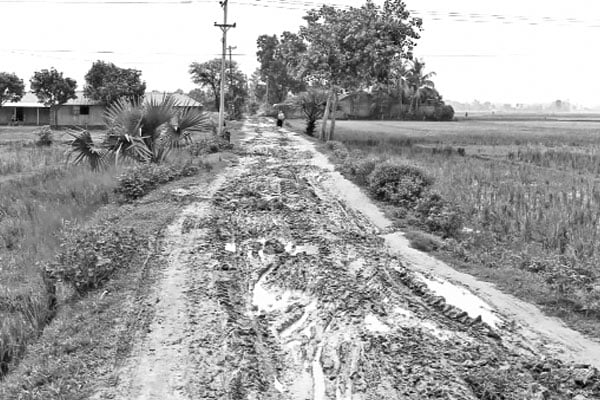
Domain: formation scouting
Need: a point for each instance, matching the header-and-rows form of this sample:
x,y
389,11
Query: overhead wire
x,y
458,16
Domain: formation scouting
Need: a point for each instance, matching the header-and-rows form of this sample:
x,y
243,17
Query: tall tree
x,y
279,59
52,89
105,82
208,75
355,47
11,88
420,83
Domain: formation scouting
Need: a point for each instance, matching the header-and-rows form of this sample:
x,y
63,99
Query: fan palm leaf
x,y
156,113
85,150
189,120
124,117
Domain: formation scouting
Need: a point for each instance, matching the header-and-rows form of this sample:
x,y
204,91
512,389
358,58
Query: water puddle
x,y
318,376
461,298
373,324
230,247
408,319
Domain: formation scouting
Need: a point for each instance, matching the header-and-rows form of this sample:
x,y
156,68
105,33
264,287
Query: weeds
x,y
535,209
141,179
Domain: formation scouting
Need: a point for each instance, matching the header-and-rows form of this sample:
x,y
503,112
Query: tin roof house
x,y
80,111
27,111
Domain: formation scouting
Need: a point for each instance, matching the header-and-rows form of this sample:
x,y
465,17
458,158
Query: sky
x,y
508,51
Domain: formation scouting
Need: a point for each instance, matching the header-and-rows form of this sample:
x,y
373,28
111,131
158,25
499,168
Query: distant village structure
x,y
81,111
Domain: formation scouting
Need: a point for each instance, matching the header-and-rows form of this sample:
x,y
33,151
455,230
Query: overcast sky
x,y
512,51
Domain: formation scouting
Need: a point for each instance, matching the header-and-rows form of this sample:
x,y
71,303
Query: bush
x,y
438,215
209,146
423,241
45,136
140,180
89,256
359,168
338,148
399,184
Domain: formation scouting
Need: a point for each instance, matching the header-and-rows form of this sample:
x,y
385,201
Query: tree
x,y
208,75
279,59
202,97
355,48
421,85
312,103
52,89
11,88
105,82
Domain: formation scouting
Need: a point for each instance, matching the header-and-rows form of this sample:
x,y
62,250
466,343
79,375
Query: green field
x,y
528,193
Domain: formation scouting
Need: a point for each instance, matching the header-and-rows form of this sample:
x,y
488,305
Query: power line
x,y
456,16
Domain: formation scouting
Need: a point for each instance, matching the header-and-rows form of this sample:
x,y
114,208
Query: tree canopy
x,y
51,88
279,59
105,82
208,76
355,48
11,88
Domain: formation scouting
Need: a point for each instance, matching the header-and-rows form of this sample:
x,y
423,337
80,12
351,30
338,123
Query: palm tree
x,y
419,82
145,131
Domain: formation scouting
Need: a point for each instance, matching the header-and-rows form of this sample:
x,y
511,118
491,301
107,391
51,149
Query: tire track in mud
x,y
291,294
309,304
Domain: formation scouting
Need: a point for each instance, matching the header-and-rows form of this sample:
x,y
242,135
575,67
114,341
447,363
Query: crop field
x,y
528,193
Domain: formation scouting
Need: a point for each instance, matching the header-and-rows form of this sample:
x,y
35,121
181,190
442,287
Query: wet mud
x,y
291,293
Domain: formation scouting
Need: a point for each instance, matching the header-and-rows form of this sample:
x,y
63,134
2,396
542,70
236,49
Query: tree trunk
x,y
54,113
323,133
333,112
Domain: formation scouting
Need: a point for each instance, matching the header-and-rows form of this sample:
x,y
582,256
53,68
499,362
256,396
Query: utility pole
x,y
224,27
231,72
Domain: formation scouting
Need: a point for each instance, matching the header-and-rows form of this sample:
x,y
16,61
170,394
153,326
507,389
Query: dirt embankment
x,y
278,289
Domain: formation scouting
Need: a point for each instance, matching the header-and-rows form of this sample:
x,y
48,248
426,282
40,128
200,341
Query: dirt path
x,y
280,286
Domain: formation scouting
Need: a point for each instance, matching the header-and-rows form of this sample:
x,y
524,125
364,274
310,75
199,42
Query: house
x,y
181,100
80,111
356,105
27,111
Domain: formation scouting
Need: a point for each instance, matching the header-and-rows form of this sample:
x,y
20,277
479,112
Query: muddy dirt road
x,y
281,285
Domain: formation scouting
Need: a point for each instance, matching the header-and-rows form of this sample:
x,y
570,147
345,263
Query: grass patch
x,y
44,206
527,190
423,241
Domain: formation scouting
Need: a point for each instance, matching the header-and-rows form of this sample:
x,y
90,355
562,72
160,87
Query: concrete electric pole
x,y
224,27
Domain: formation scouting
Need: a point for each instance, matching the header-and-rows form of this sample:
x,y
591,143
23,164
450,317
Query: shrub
x,y
209,146
399,184
140,180
423,241
45,136
359,168
338,148
438,215
89,256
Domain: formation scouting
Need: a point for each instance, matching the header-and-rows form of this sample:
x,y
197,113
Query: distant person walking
x,y
280,119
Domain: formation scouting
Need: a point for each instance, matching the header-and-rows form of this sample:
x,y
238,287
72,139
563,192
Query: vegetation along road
x,y
284,281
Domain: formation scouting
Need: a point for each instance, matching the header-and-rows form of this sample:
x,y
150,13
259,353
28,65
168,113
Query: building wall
x,y
69,115
356,106
30,116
